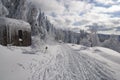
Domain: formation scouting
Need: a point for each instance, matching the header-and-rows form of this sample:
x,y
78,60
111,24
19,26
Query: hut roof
x,y
14,23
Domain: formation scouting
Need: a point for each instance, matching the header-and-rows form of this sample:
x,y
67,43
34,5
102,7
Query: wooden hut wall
x,y
8,37
9,32
4,36
26,37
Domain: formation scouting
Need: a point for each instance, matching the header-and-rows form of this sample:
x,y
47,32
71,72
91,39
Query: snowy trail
x,y
68,64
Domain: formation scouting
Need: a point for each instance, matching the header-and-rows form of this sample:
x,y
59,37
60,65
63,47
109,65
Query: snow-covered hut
x,y
14,32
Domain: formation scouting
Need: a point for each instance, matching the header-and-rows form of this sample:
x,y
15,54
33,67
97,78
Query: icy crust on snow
x,y
17,24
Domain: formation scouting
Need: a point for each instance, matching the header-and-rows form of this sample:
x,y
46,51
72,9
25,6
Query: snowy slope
x,y
59,62
108,57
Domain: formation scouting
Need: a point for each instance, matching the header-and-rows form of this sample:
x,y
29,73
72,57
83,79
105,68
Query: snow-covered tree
x,y
3,10
85,42
94,39
112,43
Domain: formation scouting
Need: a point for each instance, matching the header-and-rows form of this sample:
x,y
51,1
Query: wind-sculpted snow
x,y
67,64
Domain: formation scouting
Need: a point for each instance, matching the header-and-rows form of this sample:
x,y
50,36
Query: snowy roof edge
x,y
14,22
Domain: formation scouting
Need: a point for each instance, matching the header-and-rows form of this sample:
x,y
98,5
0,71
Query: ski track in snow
x,y
68,64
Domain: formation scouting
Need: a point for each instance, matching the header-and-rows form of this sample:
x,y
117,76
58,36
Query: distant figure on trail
x,y
46,49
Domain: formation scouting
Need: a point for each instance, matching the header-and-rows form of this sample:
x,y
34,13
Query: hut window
x,y
20,34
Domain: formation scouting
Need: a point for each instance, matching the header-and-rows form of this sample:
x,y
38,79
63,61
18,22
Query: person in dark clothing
x,y
46,49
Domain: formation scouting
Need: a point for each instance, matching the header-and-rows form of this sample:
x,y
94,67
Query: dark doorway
x,y
20,34
20,37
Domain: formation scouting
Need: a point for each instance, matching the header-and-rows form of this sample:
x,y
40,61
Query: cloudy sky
x,y
79,13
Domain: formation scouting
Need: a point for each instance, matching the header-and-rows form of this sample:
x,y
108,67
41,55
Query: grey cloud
x,y
66,13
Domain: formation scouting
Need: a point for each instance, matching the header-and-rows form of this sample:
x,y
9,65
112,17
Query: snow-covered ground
x,y
59,62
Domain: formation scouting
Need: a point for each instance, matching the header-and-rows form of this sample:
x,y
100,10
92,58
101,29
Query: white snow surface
x,y
59,62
